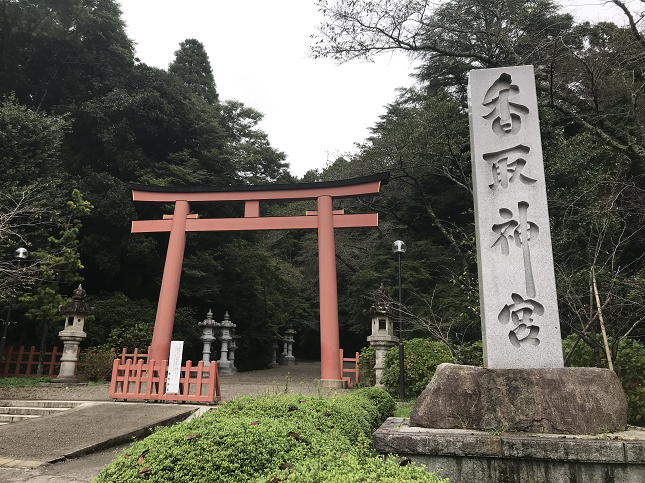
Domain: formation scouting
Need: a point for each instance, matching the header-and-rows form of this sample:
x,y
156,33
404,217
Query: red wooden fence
x,y
22,363
148,382
135,356
353,370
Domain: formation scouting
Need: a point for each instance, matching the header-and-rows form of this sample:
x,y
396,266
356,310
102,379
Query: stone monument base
x,y
467,456
571,400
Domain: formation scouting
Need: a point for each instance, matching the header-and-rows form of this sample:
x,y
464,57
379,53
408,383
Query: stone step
x,y
8,418
12,411
39,404
31,411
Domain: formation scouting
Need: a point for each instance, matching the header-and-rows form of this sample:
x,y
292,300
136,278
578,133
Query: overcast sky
x,y
314,110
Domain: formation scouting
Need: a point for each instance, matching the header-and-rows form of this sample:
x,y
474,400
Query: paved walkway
x,y
28,448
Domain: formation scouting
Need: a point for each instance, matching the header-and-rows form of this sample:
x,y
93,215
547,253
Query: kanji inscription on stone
x,y
519,308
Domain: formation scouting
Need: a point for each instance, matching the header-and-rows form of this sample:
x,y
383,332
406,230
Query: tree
x,y
64,262
249,149
30,143
592,74
191,64
55,52
590,80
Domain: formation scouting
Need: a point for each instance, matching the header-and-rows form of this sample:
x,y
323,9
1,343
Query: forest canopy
x,y
81,117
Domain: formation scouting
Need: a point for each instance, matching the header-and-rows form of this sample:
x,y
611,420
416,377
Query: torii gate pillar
x,y
330,370
162,335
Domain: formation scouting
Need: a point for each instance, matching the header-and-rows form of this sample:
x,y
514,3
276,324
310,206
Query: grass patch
x,y
102,382
404,408
23,381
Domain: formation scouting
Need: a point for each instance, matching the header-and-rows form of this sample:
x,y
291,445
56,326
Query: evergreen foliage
x,y
78,111
420,360
261,440
191,64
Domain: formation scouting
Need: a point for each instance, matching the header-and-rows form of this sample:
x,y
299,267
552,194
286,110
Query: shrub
x,y
249,439
96,364
470,354
421,358
366,363
356,467
629,366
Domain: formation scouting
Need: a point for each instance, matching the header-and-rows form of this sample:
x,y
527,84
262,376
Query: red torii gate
x,y
324,220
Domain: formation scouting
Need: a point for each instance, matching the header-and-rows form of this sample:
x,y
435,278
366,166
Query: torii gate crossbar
x,y
324,220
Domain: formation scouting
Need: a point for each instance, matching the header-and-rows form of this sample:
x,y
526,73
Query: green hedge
x,y
420,360
366,363
248,440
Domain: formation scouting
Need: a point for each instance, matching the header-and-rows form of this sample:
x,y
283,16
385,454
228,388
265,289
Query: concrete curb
x,y
189,413
124,438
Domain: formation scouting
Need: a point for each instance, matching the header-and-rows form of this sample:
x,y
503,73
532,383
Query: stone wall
x,y
467,456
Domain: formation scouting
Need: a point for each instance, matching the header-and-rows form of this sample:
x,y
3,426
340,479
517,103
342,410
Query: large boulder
x,y
571,400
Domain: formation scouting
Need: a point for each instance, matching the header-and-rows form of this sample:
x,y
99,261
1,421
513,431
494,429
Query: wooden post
x,y
602,322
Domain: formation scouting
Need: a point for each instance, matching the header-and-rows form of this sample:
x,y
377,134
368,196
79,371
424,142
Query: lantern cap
x,y
77,306
398,246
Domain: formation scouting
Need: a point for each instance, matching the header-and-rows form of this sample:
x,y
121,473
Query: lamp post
x,y
399,248
20,255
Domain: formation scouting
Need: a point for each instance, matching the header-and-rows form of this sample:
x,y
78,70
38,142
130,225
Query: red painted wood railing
x,y
148,382
135,356
353,370
22,363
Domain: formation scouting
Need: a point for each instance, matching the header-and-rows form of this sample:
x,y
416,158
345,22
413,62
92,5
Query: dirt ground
x,y
302,378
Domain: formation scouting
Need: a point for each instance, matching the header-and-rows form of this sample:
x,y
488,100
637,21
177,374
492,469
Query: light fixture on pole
x,y
399,248
20,254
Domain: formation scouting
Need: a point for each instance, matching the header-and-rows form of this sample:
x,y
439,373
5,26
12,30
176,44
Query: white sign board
x,y
519,308
174,366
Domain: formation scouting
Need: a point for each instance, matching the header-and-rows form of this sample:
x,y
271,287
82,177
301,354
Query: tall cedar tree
x,y
191,64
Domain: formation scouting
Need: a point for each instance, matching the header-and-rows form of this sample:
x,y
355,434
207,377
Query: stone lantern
x,y
72,335
284,350
208,336
274,351
231,350
288,358
224,365
382,338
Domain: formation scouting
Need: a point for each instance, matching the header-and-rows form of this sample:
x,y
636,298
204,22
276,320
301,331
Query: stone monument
x,y
223,364
72,335
519,307
382,338
208,336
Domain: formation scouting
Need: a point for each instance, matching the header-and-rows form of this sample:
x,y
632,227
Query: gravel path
x,y
299,379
